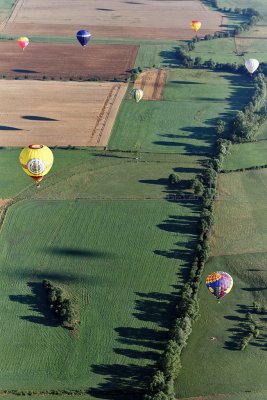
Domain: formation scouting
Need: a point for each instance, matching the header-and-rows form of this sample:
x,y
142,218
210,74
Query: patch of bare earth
x,y
154,19
152,83
58,113
66,60
4,202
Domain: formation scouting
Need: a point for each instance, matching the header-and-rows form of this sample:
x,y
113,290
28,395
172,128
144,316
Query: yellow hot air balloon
x,y
195,25
36,160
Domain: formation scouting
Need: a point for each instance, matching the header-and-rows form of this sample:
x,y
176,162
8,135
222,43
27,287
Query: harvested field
x,y
106,31
58,113
152,83
157,19
67,60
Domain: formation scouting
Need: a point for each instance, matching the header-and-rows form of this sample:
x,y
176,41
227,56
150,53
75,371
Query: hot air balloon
x,y
36,160
251,64
83,36
137,94
219,284
195,25
23,42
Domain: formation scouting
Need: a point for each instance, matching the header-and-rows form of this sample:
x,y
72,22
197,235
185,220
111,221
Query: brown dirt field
x,y
124,32
58,113
152,83
158,19
66,60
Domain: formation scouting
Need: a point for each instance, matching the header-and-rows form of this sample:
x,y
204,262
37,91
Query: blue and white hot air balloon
x,y
83,36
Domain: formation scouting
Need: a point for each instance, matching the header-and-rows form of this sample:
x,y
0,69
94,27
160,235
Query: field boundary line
x,y
14,11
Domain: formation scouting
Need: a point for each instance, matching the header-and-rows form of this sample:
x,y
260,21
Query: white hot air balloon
x,y
251,65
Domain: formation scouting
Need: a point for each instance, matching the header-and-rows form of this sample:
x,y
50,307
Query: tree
x,y
174,179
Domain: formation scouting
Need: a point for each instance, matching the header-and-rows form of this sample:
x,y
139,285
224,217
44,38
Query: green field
x,y
117,246
239,247
246,155
183,122
108,255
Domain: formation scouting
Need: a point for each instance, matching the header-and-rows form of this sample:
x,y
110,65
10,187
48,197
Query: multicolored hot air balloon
x,y
219,284
251,64
23,42
36,160
137,94
83,36
195,25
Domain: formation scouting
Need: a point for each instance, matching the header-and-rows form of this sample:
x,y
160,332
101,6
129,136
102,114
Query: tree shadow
x,y
241,329
121,381
37,302
104,9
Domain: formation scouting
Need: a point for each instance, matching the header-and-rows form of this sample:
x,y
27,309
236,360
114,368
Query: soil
x,y
152,83
154,19
58,113
66,60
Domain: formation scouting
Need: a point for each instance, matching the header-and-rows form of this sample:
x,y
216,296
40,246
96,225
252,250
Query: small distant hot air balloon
x,y
23,42
251,64
195,25
83,36
36,160
219,284
137,94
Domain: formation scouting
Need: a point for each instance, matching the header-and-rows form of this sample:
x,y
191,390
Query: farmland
x,y
239,246
80,114
65,61
158,19
106,225
183,129
93,269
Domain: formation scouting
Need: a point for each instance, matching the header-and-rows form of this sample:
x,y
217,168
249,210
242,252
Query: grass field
x,y
121,252
239,247
108,255
246,155
184,121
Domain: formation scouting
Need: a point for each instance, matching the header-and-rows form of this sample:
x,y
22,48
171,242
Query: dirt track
x,y
66,60
58,113
154,19
152,83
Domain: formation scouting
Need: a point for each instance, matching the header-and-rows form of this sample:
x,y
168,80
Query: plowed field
x,y
154,19
152,83
66,60
58,113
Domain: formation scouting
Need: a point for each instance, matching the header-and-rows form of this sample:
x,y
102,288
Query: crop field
x,y
157,19
65,61
128,255
246,155
152,83
59,113
183,122
239,247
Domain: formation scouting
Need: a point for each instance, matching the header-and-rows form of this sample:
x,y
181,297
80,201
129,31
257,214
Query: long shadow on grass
x,y
36,302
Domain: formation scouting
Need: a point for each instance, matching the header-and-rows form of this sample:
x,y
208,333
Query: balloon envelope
x,y
83,36
36,160
219,283
251,64
195,25
23,42
137,94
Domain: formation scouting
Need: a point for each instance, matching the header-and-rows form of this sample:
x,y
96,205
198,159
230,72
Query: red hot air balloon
x,y
23,42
